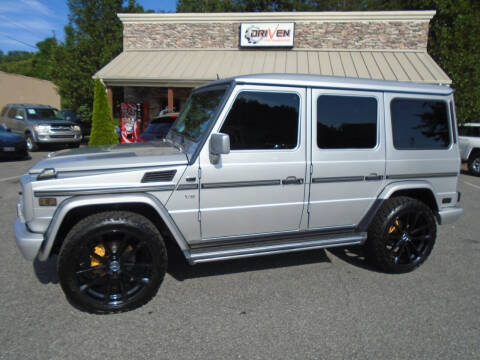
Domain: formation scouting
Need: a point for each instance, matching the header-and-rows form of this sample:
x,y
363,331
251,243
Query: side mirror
x,y
19,117
219,144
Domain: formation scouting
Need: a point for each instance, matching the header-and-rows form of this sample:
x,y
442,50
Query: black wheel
x,y
112,262
402,235
474,164
31,144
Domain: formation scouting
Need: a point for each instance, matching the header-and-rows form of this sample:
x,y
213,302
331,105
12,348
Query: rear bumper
x,y
449,215
29,243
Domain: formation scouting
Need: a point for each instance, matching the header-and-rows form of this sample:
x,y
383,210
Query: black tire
x,y
112,262
402,235
31,144
474,164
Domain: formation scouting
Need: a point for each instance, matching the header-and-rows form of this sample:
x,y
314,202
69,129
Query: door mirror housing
x,y
219,144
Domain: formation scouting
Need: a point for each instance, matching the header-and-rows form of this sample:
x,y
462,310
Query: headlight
x,y
76,128
41,128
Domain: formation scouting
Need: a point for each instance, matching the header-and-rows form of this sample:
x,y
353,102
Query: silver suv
x,y
40,124
254,165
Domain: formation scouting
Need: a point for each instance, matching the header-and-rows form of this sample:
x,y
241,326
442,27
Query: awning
x,y
192,67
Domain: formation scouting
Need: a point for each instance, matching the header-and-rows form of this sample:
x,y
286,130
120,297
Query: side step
x,y
218,252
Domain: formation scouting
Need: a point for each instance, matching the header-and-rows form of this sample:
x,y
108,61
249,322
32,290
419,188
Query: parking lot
x,y
310,305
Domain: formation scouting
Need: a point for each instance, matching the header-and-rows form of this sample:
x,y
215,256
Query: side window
x,y
21,113
12,112
263,121
420,124
346,122
4,111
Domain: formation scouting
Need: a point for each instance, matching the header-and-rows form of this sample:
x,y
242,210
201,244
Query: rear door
x,y
348,156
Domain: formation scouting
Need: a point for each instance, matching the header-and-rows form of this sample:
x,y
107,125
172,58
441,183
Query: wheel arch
x,y
76,208
419,190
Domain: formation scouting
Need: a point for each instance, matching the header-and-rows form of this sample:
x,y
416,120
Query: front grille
x,y
159,176
60,128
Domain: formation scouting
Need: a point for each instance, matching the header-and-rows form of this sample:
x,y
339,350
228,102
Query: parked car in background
x,y
469,141
12,145
158,127
70,115
40,124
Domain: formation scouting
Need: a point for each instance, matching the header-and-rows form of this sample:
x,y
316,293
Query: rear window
x,y
346,122
420,124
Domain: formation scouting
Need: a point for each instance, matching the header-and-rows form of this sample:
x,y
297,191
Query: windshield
x,y
198,113
43,114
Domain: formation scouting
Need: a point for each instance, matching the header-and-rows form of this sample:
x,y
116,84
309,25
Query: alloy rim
x,y
409,237
114,267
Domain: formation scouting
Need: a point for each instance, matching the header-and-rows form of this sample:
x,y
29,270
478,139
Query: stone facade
x,y
318,35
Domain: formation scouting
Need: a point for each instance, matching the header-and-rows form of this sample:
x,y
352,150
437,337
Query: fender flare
x,y
391,188
387,192
78,201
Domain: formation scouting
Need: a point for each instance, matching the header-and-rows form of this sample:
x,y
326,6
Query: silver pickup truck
x,y
254,165
469,141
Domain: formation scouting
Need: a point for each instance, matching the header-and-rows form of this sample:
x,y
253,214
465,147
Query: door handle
x,y
373,177
292,180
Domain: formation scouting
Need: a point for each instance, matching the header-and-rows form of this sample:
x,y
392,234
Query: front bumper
x,y
28,242
449,215
59,138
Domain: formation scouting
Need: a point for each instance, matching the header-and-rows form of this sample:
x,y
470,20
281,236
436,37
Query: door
x,y
348,156
259,187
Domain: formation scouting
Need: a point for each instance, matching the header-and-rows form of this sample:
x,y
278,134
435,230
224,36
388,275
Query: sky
x,y
23,23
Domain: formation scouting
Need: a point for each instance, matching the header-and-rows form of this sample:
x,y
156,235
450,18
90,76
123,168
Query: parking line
x,y
9,178
475,186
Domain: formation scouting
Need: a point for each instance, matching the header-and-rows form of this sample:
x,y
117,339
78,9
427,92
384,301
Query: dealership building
x,y
166,55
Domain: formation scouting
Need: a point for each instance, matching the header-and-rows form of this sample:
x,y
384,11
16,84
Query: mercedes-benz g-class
x,y
254,165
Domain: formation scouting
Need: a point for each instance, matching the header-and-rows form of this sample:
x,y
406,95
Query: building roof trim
x,y
181,67
324,16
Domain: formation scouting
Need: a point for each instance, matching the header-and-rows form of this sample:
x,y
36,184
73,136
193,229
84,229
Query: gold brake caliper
x,y
394,227
100,251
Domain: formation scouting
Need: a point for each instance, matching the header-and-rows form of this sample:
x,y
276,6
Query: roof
x,y
192,67
337,82
297,16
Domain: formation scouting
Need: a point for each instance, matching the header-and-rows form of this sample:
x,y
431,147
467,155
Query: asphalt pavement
x,y
310,305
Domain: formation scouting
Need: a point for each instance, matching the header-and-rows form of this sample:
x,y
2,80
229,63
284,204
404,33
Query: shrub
x,y
103,128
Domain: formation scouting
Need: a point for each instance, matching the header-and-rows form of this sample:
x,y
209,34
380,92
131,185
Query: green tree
x,y
103,129
93,38
454,42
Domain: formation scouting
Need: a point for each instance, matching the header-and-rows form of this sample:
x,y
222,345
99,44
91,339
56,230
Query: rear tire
x,y
402,235
474,164
112,262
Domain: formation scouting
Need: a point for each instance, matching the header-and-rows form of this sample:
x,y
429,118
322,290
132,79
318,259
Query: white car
x,y
469,141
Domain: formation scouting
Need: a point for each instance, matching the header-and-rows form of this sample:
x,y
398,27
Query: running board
x,y
249,249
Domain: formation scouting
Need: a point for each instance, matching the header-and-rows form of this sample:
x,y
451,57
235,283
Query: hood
x,y
104,158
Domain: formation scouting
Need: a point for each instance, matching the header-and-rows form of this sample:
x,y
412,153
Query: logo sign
x,y
266,34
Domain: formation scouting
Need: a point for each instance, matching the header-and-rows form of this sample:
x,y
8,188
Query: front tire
x,y
31,144
474,164
402,235
112,262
